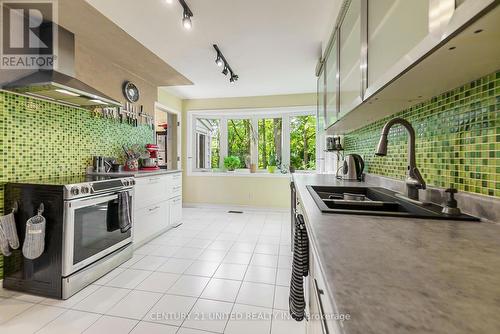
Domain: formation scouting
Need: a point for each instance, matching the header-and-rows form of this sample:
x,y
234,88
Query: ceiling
x,y
273,45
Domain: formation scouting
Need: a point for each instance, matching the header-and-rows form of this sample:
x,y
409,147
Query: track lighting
x,y
186,16
221,61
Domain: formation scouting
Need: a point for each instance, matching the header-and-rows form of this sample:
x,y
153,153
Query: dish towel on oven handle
x,y
300,269
124,212
34,240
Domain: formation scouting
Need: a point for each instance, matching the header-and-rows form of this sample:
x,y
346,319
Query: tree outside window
x,y
303,142
238,140
270,147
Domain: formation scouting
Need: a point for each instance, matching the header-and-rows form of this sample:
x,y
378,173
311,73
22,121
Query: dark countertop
x,y
405,275
139,173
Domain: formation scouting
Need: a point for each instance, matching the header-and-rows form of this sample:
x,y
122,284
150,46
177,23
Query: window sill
x,y
239,173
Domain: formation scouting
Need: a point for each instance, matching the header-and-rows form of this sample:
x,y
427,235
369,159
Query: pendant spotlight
x,y
187,15
221,61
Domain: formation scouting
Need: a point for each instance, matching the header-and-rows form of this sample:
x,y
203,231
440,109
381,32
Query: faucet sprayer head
x,y
382,146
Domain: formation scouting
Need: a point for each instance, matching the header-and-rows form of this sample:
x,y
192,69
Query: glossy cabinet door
x,y
175,211
350,58
394,28
150,221
322,124
331,70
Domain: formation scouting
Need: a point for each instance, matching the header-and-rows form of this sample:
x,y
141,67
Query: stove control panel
x,y
97,187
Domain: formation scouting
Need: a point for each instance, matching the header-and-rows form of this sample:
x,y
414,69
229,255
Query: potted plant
x,y
249,164
271,167
231,162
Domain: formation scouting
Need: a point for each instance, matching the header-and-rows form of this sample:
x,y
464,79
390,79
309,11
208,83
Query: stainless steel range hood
x,y
55,86
61,85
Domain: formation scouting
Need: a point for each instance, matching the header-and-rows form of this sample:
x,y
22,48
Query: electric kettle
x,y
353,167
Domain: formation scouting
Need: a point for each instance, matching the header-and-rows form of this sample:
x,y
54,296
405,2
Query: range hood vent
x,y
60,85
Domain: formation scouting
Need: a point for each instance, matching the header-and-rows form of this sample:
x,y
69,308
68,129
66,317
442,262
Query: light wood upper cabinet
x,y
394,28
350,58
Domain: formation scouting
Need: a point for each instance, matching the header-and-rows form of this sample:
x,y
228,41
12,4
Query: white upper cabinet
x,y
394,28
383,52
350,58
331,86
321,102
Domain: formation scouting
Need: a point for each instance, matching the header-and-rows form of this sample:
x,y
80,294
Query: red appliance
x,y
153,154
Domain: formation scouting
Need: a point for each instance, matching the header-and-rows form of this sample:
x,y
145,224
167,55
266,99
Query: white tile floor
x,y
216,273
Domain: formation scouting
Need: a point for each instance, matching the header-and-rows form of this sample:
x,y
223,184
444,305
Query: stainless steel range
x,y
90,211
83,241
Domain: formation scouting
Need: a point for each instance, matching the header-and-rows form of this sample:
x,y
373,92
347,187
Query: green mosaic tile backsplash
x,y
458,139
39,139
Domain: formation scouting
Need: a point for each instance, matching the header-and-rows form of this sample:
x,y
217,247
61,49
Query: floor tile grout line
x,y
274,298
237,294
232,307
180,275
18,314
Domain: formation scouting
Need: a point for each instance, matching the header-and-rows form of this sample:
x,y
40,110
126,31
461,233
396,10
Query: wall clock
x,y
131,92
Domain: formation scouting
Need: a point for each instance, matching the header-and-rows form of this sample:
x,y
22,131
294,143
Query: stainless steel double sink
x,y
375,201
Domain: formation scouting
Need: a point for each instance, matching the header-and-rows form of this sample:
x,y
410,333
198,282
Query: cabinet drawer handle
x,y
318,292
177,187
155,179
154,209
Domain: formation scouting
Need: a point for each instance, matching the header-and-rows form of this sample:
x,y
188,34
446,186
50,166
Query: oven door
x,y
90,230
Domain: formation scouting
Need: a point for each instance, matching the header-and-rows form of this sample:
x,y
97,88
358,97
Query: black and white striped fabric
x,y
124,212
300,269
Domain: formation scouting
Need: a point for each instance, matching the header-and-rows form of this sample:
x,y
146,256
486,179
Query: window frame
x,y
254,114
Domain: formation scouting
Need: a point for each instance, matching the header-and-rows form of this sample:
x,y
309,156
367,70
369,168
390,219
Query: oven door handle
x,y
90,201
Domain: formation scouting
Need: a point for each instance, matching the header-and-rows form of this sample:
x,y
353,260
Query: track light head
x,y
169,1
186,15
225,70
186,21
233,78
219,61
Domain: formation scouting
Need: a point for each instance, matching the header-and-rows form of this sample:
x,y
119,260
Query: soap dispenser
x,y
450,207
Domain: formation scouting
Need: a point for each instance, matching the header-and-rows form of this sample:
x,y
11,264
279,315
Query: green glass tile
x,y
40,139
458,139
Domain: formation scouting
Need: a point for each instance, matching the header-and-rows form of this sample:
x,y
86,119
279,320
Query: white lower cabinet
x,y
157,205
151,220
320,307
175,210
150,190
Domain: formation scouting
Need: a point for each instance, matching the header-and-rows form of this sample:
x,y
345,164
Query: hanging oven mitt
x,y
4,243
34,241
8,224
